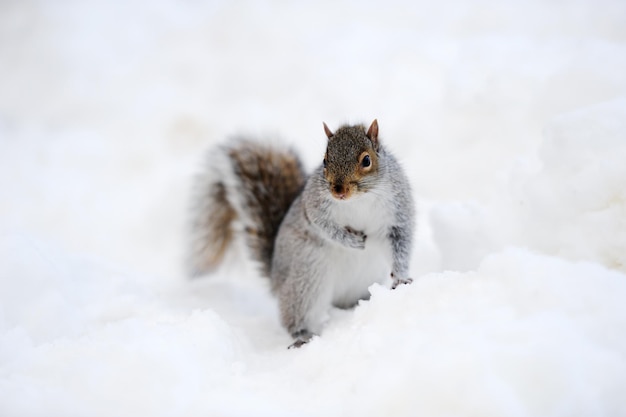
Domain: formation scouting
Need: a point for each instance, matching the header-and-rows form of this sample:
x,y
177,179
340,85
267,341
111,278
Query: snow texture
x,y
509,117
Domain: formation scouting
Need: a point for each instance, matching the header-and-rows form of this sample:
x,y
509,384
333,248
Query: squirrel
x,y
322,240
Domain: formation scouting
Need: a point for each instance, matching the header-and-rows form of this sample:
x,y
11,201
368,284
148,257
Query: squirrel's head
x,y
351,159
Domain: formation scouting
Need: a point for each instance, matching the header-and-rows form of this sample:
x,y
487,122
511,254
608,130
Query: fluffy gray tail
x,y
246,182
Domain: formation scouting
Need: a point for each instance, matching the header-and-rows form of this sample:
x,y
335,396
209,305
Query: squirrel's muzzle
x,y
340,191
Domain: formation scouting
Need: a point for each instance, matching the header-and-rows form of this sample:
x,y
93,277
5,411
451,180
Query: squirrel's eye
x,y
324,162
366,162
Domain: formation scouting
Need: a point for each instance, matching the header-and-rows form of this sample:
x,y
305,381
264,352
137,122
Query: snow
x,y
509,117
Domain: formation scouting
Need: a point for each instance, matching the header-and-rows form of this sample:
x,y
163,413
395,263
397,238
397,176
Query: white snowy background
x,y
509,116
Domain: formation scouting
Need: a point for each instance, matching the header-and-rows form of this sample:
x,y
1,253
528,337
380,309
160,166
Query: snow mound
x,y
575,206
569,202
524,334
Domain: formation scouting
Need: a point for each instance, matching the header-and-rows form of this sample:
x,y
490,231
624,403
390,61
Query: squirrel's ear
x,y
372,133
328,132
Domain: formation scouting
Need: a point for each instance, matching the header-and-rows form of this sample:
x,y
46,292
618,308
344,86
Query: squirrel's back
x,y
245,181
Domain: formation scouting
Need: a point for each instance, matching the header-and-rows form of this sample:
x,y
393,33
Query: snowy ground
x,y
510,118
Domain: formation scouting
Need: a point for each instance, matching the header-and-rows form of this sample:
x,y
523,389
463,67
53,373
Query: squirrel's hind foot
x,y
301,337
298,343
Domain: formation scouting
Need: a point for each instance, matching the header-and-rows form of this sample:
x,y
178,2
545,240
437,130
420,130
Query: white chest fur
x,y
352,271
368,213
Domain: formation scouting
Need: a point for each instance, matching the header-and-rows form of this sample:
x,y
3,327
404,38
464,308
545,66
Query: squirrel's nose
x,y
339,191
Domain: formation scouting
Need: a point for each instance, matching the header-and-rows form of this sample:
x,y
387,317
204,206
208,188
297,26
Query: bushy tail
x,y
247,182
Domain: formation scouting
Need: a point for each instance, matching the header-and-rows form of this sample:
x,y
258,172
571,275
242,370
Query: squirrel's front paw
x,y
356,239
400,281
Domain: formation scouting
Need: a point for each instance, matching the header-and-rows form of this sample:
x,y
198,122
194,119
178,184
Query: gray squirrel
x,y
322,240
